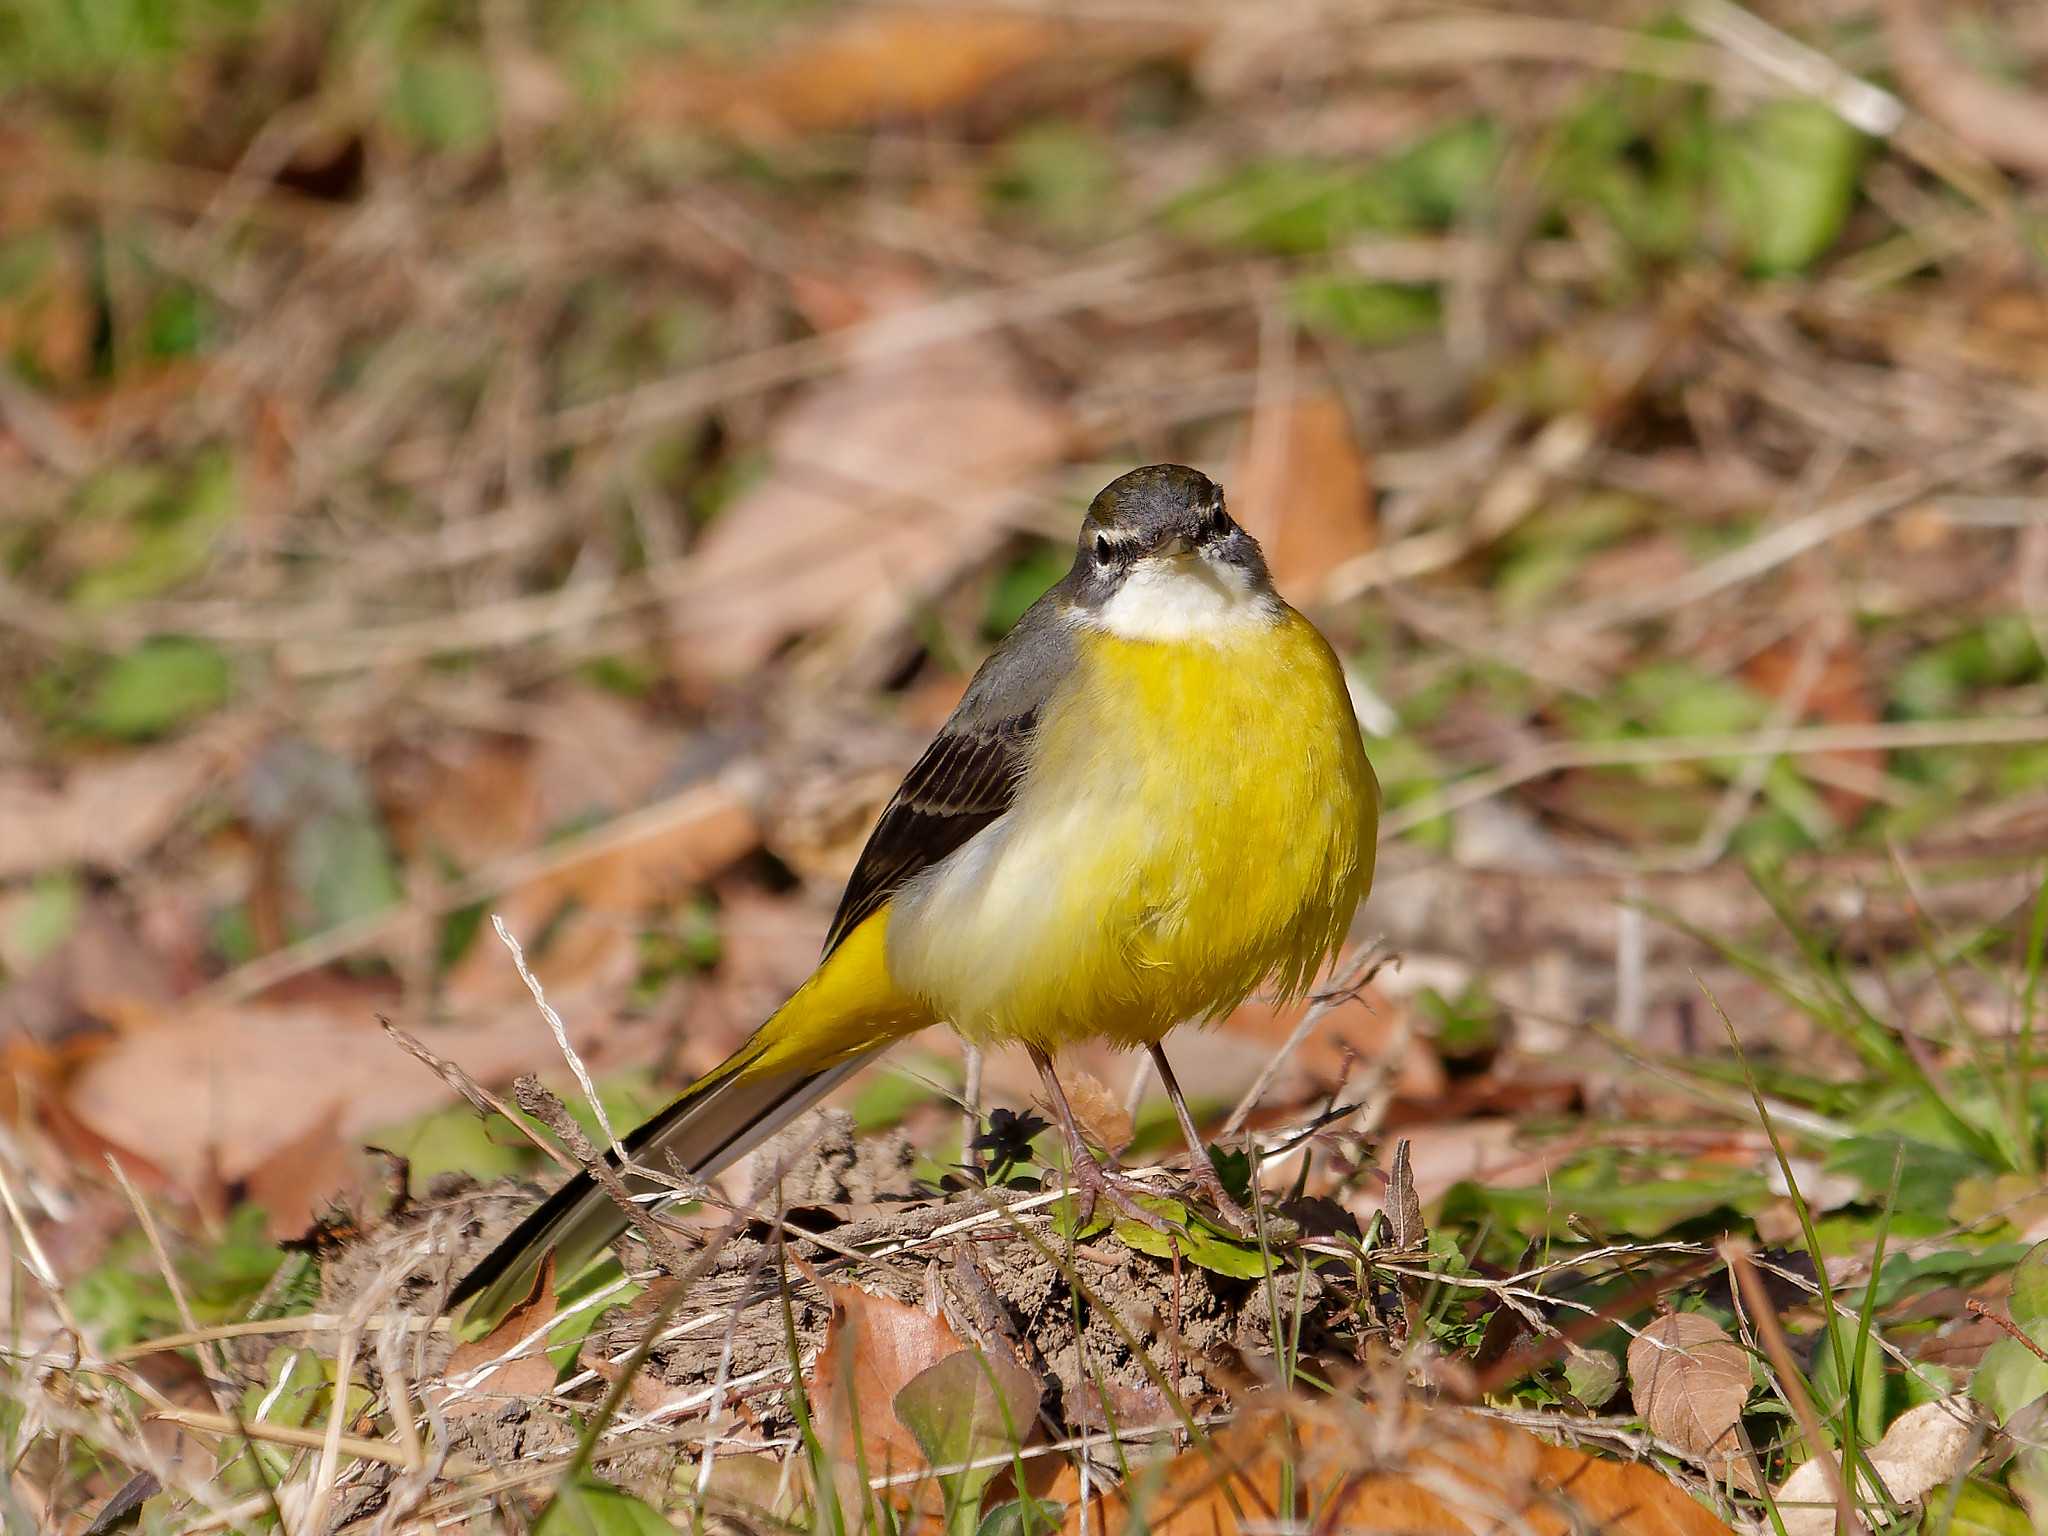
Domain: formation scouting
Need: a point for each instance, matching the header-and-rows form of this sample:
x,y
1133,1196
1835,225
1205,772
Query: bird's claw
x,y
1202,1176
1092,1181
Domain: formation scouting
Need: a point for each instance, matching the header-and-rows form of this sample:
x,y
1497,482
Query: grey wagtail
x,y
1152,799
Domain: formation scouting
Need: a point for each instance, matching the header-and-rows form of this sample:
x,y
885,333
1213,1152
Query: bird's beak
x,y
1176,546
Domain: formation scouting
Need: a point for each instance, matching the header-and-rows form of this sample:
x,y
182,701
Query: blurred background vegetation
x,y
560,460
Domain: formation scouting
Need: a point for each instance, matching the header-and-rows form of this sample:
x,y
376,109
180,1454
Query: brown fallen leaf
x,y
1352,1037
468,799
873,1348
595,752
220,1090
653,855
1924,1449
767,946
528,1375
1840,695
1405,1226
1690,1380
1104,1120
47,314
298,1180
885,63
1415,1469
105,968
1302,485
645,860
887,479
106,811
87,1148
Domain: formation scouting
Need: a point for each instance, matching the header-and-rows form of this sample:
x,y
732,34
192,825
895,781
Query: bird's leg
x,y
970,1107
1201,1172
1091,1180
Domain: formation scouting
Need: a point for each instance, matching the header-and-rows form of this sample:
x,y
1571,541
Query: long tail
x,y
846,1013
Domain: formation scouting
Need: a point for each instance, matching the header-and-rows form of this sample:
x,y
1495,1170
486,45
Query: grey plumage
x,y
968,775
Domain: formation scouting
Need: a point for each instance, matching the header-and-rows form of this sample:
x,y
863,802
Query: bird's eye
x,y
1102,549
1218,522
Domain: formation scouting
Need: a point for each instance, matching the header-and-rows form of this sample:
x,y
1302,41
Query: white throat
x,y
1182,599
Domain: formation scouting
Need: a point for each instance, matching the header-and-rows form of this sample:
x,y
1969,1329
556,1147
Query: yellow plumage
x,y
850,1004
1121,897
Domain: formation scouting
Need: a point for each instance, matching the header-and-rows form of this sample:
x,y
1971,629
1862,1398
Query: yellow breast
x,y
1199,820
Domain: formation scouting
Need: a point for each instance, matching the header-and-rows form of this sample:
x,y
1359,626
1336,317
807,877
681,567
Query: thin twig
x,y
285,1434
480,1098
1788,541
561,1033
1558,757
219,1380
695,802
551,1112
1737,1255
2012,1329
310,1322
1351,978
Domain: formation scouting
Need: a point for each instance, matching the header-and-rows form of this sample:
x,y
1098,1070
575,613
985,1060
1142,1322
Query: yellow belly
x,y
1199,821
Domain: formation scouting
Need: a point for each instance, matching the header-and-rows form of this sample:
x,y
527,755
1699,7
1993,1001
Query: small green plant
x,y
965,1413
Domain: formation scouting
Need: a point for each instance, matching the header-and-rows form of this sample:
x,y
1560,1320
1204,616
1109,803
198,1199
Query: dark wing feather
x,y
965,780
968,776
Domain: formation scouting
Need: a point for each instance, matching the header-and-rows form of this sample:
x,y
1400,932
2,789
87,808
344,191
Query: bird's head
x,y
1161,558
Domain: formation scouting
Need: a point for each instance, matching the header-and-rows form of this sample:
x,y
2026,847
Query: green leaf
x,y
593,1508
1066,1220
442,98
1676,698
294,1389
1021,583
1593,1375
1465,1029
1023,1517
1608,1197
1233,1166
1198,1243
2009,1377
123,1299
156,687
1955,1266
1299,207
1787,178
1979,1511
342,866
455,1140
2000,653
1369,314
1636,155
570,1326
177,524
45,918
1290,207
2030,1289
2028,1478
886,1098
179,322
1062,174
1830,1394
1447,175
1927,1180
969,1406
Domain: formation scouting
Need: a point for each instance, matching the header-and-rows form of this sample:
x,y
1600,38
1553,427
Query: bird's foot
x,y
1202,1176
1092,1181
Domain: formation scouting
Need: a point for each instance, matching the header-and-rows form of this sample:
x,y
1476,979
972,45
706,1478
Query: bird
x,y
1152,800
